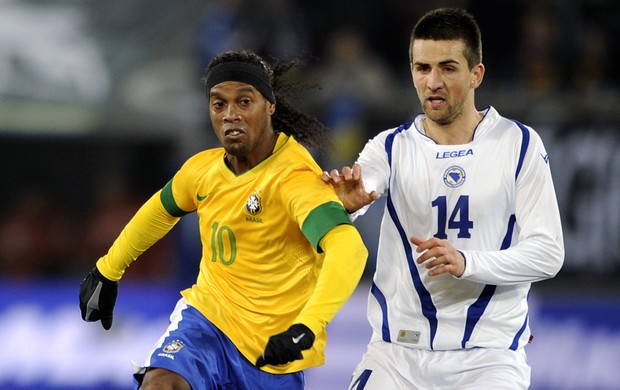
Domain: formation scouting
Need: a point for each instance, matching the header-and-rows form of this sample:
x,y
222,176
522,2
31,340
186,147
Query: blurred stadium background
x,y
101,101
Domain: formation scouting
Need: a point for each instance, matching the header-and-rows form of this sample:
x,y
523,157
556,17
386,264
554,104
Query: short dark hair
x,y
446,24
286,119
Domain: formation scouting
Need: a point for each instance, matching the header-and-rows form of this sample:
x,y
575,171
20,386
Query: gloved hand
x,y
285,347
97,298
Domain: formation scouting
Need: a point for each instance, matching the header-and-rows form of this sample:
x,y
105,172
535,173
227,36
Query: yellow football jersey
x,y
260,232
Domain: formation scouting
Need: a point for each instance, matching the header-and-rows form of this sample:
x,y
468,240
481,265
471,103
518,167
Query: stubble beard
x,y
445,116
236,149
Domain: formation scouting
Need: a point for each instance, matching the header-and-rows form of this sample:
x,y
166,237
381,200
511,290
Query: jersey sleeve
x,y
148,225
345,258
375,168
539,251
327,226
153,220
178,195
321,220
313,204
170,203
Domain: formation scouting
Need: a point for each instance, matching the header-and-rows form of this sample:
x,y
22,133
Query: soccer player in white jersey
x,y
471,220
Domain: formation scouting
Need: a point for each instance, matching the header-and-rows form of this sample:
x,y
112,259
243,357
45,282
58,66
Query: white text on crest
x,y
454,154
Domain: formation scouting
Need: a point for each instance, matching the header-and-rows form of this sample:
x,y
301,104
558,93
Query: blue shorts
x,y
198,351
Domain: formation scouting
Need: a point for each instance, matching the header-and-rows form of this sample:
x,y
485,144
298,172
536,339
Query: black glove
x,y
285,347
97,298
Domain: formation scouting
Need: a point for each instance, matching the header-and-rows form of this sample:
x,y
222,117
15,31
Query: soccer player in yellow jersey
x,y
280,255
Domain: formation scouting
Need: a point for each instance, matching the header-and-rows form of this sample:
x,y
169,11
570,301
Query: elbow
x,y
359,257
362,252
557,259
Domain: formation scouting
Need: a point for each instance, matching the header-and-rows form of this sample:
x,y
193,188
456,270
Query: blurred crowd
x,y
548,62
40,237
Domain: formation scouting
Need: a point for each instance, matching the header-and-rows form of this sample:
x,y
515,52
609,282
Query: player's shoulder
x,y
206,155
393,134
293,156
202,160
504,126
513,134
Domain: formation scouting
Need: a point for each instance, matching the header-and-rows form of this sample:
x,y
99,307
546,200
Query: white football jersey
x,y
493,199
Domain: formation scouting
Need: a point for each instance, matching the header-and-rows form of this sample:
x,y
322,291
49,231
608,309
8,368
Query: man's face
x,y
241,118
442,78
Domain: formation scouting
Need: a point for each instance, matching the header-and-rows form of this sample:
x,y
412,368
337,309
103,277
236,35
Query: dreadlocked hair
x,y
287,119
306,128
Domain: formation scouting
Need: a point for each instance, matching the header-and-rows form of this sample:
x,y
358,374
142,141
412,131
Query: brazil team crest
x,y
254,204
173,347
454,176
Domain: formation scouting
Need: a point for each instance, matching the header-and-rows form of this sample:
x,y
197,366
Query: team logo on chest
x,y
254,204
454,176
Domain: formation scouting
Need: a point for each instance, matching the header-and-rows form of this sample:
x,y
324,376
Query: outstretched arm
x,y
350,187
151,223
99,289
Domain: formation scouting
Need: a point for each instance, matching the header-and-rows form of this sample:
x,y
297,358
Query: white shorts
x,y
391,366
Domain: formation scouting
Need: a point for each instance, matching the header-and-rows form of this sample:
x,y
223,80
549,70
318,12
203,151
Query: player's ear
x,y
271,107
477,74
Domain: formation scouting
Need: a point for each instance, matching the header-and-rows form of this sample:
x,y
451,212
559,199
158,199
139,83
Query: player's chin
x,y
236,149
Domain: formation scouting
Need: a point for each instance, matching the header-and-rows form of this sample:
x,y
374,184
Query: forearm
x,y
345,259
148,226
538,252
532,260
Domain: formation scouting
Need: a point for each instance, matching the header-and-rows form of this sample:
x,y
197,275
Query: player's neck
x,y
242,162
459,132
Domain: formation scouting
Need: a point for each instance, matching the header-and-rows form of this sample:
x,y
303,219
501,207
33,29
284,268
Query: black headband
x,y
243,72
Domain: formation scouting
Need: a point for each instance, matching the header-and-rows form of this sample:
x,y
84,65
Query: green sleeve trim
x,y
321,220
167,199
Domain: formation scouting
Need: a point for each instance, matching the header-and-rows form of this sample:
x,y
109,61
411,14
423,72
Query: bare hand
x,y
440,256
350,187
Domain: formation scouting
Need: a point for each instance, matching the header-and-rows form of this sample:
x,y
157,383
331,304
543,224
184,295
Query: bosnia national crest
x,y
454,176
253,205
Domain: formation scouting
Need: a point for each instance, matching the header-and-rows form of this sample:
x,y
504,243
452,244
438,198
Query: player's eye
x,y
423,68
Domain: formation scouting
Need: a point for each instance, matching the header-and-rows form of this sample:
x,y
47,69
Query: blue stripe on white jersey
x,y
515,341
525,142
476,310
385,328
390,140
428,308
375,290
